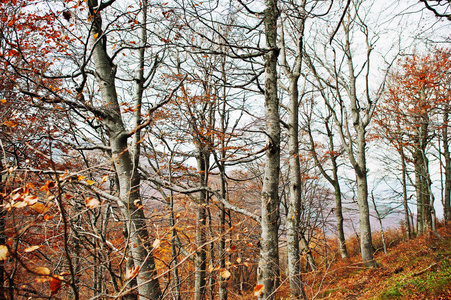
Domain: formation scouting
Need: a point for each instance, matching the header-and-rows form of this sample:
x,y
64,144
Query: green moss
x,y
432,283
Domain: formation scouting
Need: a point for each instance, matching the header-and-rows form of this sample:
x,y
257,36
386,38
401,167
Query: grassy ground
x,y
415,269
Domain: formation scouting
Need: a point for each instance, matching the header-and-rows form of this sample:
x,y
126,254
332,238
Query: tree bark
x,y
447,156
129,195
404,194
268,267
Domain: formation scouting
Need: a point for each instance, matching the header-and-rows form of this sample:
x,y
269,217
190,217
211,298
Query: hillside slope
x,y
415,269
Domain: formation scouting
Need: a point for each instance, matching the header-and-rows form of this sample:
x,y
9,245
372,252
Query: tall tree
x,y
352,104
294,202
268,266
417,93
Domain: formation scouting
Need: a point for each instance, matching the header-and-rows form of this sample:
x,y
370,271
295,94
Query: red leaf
x,y
55,285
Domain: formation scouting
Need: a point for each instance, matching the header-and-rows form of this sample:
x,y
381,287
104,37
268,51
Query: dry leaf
x,y
210,268
258,289
225,274
31,199
42,271
80,177
19,204
104,178
90,182
131,273
10,124
41,208
238,260
96,35
31,249
137,204
3,252
92,202
156,243
55,285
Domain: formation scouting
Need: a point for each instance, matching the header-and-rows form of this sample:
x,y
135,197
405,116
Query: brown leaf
x,y
156,243
31,199
92,202
3,252
31,249
55,285
131,273
258,289
225,274
42,271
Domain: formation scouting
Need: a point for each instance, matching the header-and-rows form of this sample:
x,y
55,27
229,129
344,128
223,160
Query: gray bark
x,y
404,194
268,267
447,156
294,200
105,70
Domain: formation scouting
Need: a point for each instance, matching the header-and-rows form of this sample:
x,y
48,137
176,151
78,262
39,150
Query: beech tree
x,y
417,92
351,103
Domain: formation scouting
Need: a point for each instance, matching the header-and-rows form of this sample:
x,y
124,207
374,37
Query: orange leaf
x,y
104,178
47,217
258,289
42,271
90,182
40,208
225,274
55,285
10,124
31,199
48,185
92,202
131,273
3,252
96,35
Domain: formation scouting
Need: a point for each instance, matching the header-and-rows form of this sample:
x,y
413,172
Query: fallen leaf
x,y
131,273
156,243
55,284
104,178
92,202
258,289
31,199
19,204
31,249
238,260
3,252
42,271
225,274
90,182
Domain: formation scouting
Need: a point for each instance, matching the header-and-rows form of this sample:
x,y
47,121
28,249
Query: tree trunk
x,y
404,194
268,267
129,195
446,154
223,282
294,201
2,233
366,241
200,260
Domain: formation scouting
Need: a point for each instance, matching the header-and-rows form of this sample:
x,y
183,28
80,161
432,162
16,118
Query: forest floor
x,y
415,269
